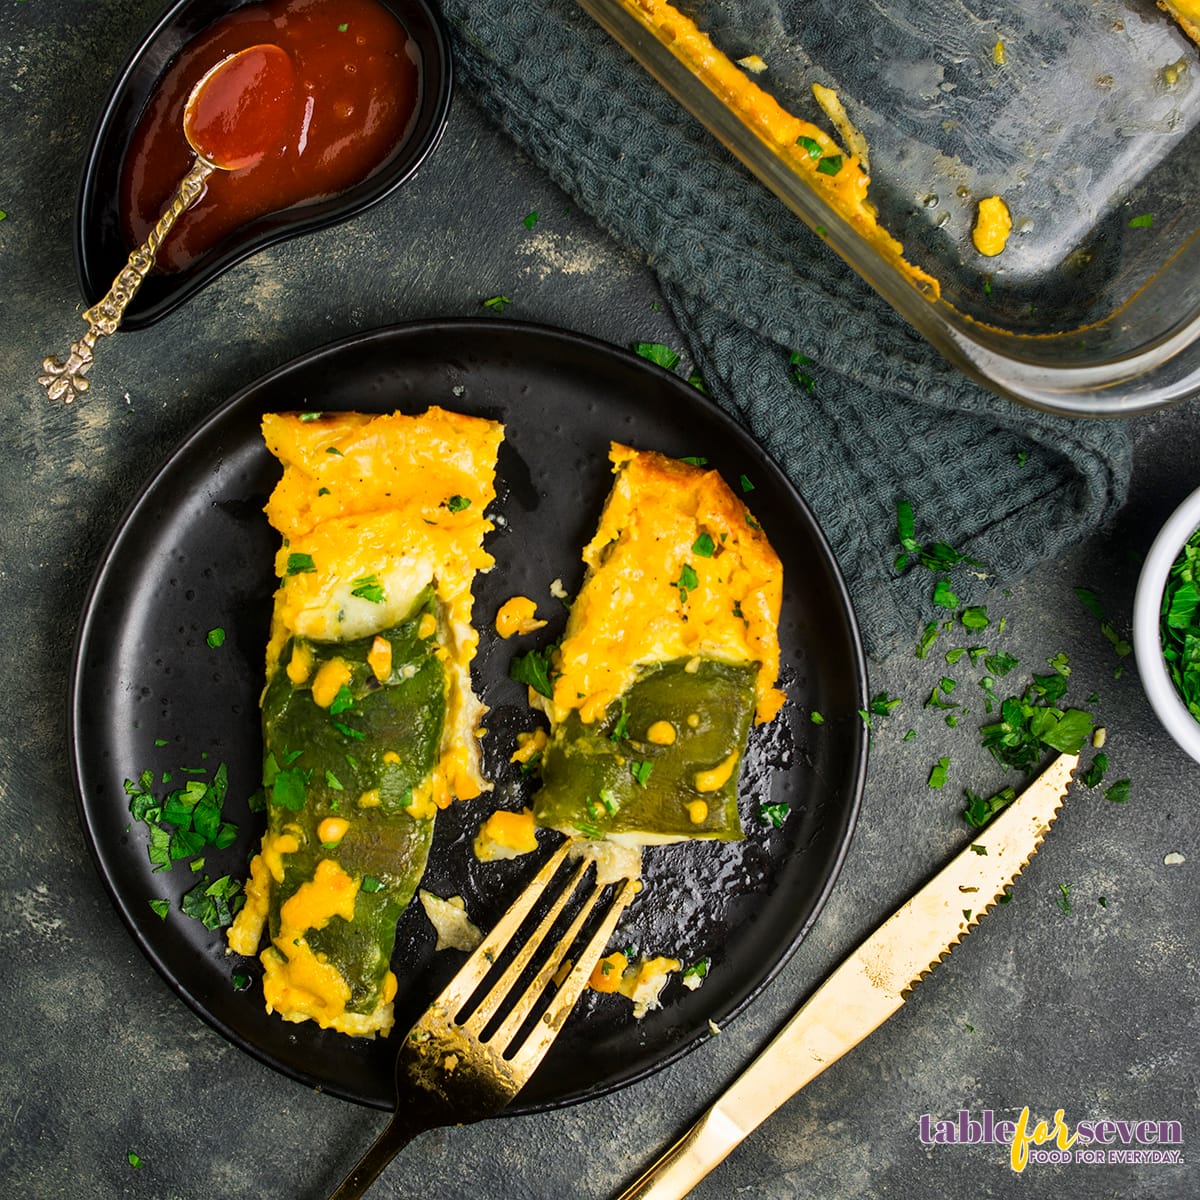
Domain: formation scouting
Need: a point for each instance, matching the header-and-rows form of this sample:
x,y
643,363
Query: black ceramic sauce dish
x,y
100,247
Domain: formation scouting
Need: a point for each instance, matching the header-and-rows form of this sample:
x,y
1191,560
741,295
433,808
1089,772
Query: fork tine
x,y
538,1042
472,973
524,1005
489,1004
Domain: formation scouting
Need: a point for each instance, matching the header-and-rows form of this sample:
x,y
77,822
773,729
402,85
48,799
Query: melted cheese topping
x,y
506,835
517,616
845,190
385,506
993,224
635,608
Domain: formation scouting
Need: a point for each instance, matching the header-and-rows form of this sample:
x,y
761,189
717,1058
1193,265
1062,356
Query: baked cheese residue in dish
x,y
370,722
670,653
1187,13
993,224
839,175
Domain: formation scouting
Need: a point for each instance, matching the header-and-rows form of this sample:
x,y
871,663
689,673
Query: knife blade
x,y
868,987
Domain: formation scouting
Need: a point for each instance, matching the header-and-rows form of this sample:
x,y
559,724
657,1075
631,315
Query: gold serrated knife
x,y
868,987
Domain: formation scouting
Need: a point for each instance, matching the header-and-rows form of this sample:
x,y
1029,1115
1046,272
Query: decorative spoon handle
x,y
66,380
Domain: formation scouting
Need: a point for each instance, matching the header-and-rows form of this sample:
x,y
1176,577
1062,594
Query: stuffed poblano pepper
x,y
670,654
370,725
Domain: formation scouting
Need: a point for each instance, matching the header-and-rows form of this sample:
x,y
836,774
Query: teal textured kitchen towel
x,y
885,418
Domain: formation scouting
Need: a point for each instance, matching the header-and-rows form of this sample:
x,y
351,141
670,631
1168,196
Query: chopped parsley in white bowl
x,y
1166,617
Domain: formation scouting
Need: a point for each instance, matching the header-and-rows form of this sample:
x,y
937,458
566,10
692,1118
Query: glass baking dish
x,y
1082,115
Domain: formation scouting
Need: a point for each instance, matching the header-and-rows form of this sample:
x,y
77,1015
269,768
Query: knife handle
x,y
687,1162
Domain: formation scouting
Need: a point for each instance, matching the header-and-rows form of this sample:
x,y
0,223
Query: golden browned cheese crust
x,y
635,609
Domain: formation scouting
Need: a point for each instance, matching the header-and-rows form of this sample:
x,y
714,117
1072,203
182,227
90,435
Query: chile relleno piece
x,y
370,725
671,651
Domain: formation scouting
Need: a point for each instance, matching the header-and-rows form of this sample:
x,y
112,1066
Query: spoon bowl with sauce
x,y
236,113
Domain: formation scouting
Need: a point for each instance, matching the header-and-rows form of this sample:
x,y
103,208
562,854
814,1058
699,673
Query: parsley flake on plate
x,y
657,353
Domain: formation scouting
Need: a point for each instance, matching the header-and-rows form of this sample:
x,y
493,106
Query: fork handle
x,y
396,1134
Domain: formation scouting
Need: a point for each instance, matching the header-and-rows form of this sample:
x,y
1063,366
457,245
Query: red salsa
x,y
355,90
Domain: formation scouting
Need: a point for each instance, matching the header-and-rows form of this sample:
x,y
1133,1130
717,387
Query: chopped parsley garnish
x,y
1119,792
185,820
641,771
1064,899
979,848
944,596
343,27
300,564
831,164
746,484
688,581
349,731
1179,628
980,810
457,503
531,219
937,556
975,617
311,416
657,353
214,904
796,360
332,781
287,786
932,631
704,546
697,381
1000,663
161,907
698,970
816,718
342,701
497,303
133,1158
532,669
1060,663
882,704
621,726
215,637
1091,602
334,450
940,773
240,981
774,814
1094,775
1144,221
368,588
695,460
371,884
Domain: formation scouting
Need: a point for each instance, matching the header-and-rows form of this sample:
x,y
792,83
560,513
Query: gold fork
x,y
474,1049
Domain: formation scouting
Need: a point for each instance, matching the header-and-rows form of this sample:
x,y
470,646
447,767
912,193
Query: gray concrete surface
x,y
1094,1011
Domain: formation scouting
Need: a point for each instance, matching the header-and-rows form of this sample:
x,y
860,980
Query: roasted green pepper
x,y
348,768
661,765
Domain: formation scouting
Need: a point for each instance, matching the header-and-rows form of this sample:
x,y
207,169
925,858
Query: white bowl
x,y
1147,639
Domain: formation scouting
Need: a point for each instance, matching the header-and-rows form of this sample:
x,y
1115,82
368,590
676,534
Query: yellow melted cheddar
x,y
632,612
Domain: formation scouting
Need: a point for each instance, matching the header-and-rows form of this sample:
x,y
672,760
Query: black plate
x,y
195,552
100,247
